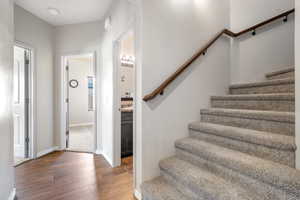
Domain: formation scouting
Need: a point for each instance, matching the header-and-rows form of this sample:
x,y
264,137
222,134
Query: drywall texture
x,y
172,32
273,46
6,66
297,71
80,69
39,35
70,40
121,15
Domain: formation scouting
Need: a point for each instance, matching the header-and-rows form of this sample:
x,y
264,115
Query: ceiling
x,y
71,11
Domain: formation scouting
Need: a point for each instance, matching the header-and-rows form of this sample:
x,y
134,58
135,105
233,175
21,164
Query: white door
x,y
19,101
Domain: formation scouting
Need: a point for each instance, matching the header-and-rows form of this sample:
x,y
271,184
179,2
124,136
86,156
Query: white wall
x,y
297,68
6,66
76,39
80,69
121,15
172,31
39,35
271,49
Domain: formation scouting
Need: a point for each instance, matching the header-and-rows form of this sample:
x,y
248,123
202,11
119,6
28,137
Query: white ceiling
x,y
71,11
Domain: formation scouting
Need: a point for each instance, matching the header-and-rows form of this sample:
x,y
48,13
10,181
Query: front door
x,y
20,103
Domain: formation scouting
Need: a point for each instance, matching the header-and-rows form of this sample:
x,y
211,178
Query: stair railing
x,y
203,50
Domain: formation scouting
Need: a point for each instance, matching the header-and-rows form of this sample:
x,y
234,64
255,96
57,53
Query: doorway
x,y
80,134
124,51
22,104
127,64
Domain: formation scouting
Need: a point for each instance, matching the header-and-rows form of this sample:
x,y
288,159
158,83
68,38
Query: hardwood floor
x,y
74,176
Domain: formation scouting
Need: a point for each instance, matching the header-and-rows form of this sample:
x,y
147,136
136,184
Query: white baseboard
x,y
12,195
47,151
99,152
137,194
81,124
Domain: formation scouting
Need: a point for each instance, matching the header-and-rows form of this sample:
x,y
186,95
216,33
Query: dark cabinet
x,y
126,134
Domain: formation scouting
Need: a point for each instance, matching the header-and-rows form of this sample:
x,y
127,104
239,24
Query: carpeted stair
x,y
242,149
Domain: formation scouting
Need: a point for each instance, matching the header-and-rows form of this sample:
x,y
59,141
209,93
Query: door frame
x,y
63,127
32,106
117,98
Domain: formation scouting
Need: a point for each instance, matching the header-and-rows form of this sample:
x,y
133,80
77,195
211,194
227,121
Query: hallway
x,y
74,176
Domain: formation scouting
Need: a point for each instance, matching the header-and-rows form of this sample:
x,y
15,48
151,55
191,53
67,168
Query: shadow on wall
x,y
200,62
264,29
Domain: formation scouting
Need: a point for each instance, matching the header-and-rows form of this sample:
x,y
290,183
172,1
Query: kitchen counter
x,y
127,109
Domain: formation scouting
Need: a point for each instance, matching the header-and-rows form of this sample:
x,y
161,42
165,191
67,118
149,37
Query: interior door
x,y
19,101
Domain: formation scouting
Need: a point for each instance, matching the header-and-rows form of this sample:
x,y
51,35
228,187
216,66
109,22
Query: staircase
x,y
242,149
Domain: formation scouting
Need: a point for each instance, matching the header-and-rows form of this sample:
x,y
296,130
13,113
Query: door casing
x,y
64,95
117,98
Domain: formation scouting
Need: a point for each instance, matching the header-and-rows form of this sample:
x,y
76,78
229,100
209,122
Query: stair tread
x,y
274,96
275,174
204,183
161,190
263,83
282,71
252,114
267,139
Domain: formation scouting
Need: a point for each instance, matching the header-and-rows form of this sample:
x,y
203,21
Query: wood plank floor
x,y
74,176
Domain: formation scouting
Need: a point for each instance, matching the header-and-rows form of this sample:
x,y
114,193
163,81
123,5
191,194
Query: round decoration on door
x,y
73,83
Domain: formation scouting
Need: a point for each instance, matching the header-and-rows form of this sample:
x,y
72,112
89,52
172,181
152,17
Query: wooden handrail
x,y
203,50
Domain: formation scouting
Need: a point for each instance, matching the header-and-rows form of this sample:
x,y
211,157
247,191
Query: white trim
x,y
137,194
63,110
47,151
12,194
116,104
21,162
133,25
117,96
81,124
100,152
107,159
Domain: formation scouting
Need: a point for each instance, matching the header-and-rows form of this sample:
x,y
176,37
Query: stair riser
x,y
284,128
147,196
264,190
150,196
283,88
280,156
186,187
182,188
288,106
282,76
159,189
